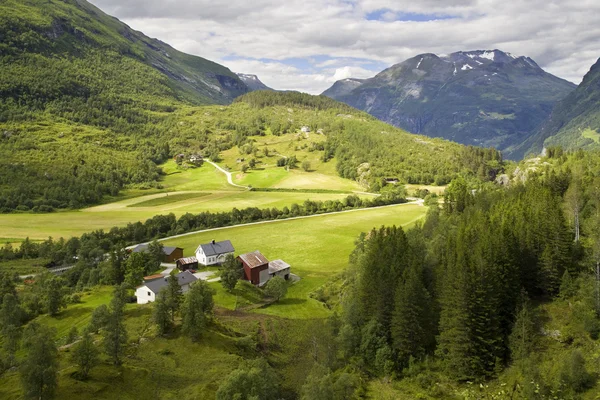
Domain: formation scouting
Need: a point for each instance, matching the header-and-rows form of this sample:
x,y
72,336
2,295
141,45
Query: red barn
x,y
256,267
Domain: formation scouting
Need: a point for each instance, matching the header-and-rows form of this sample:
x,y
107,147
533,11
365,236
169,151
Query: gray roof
x,y
277,265
217,248
183,278
142,248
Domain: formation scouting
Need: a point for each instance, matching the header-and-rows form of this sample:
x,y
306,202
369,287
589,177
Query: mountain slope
x,y
574,122
342,87
76,30
487,98
252,82
87,104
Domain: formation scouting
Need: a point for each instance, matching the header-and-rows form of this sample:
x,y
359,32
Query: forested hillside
x,y
500,286
51,161
574,122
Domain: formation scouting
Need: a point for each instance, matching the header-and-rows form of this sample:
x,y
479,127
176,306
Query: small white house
x,y
147,293
214,252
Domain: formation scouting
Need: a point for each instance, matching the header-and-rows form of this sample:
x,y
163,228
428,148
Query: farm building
x,y
187,263
214,252
279,268
258,270
171,253
147,292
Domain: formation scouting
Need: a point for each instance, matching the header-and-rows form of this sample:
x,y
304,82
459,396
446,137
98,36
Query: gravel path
x,y
227,173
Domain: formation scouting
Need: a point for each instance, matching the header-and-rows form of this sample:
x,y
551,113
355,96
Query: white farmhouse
x,y
214,252
147,292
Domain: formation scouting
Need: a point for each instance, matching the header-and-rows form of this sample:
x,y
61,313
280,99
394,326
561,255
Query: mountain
x,y
574,122
252,82
48,33
486,98
89,106
343,87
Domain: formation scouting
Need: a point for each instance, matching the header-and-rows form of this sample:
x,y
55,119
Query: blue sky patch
x,y
380,15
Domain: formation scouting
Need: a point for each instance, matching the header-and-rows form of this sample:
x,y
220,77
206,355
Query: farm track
x,y
228,174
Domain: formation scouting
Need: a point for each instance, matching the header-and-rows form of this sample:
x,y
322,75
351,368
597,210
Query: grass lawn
x,y
591,134
166,199
74,223
317,248
171,367
184,191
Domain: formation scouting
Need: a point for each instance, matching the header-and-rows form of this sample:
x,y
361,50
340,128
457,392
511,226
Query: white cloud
x,y
562,36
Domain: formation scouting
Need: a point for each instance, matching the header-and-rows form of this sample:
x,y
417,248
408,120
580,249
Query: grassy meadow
x,y
174,367
193,190
317,249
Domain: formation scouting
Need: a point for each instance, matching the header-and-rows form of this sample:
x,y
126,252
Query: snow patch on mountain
x,y
490,55
420,61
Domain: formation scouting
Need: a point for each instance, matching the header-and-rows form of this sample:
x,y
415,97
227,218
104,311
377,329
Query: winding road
x,y
227,173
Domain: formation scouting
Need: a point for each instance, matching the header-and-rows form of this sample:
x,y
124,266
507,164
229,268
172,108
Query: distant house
x,y
392,181
171,253
214,252
148,291
258,270
196,158
187,263
305,129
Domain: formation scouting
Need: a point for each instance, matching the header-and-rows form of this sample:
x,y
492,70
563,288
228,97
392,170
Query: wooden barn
x,y
170,253
258,270
183,264
256,267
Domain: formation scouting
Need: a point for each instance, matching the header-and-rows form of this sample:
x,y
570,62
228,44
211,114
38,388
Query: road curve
x,y
227,173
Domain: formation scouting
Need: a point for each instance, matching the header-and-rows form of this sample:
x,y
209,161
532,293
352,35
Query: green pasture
x,y
591,134
317,248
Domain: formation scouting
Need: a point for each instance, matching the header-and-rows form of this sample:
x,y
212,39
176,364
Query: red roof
x,y
254,259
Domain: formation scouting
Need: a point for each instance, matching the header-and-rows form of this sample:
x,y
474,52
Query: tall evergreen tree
x,y
161,315
115,334
411,328
172,296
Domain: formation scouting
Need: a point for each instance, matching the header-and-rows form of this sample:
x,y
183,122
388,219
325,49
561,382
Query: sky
x,y
307,45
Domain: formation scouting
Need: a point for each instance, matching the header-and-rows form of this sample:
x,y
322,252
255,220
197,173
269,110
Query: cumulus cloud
x,y
307,44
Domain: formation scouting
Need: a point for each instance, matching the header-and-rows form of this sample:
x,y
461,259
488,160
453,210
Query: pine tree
x,y
172,296
410,325
54,297
524,332
115,335
161,315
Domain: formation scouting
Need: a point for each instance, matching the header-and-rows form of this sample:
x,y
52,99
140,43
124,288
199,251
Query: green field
x,y
317,248
166,199
591,134
183,192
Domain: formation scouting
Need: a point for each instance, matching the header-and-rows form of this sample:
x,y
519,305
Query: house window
x,y
149,294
